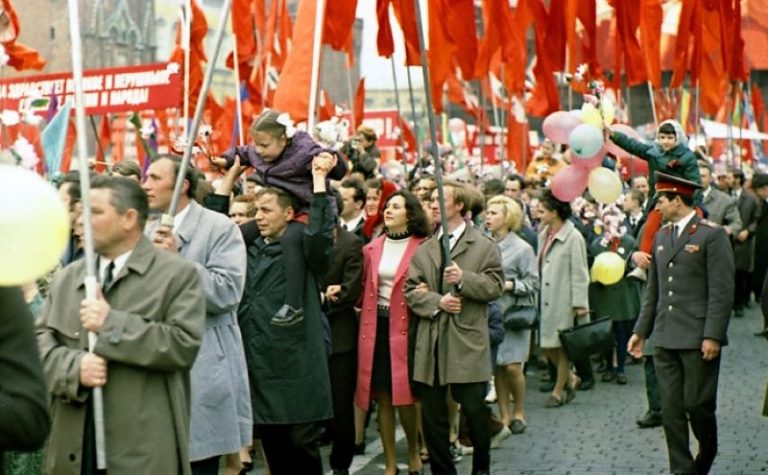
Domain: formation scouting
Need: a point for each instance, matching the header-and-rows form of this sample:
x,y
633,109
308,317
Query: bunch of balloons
x,y
582,130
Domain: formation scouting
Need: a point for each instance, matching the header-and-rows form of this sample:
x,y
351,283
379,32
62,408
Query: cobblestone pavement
x,y
596,433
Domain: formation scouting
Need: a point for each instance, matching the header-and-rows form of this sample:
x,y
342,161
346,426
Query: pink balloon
x,y
614,149
558,126
569,183
589,163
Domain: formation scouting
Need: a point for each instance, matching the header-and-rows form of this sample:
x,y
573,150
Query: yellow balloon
x,y
609,110
34,225
608,268
604,185
590,115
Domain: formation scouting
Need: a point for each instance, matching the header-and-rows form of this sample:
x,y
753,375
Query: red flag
x,y
384,42
545,98
339,22
265,76
199,28
499,34
587,15
517,135
459,18
66,158
731,40
225,124
405,12
292,94
327,107
689,22
20,57
440,54
248,23
359,103
627,21
105,140
713,74
651,16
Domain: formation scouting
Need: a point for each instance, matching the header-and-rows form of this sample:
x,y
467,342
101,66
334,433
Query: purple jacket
x,y
292,171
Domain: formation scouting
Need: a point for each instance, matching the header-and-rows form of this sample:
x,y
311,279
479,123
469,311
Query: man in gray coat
x,y
687,306
221,409
452,347
721,208
149,319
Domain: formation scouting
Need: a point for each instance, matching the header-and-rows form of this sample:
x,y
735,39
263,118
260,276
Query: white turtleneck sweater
x,y
392,254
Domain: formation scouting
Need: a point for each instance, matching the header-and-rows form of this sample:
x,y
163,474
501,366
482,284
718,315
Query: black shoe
x,y
416,472
360,448
341,472
287,316
762,333
649,420
547,387
586,385
608,376
621,378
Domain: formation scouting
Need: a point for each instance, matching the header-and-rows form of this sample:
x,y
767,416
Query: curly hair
x,y
418,224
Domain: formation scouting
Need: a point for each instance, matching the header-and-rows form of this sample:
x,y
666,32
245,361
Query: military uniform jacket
x,y
689,294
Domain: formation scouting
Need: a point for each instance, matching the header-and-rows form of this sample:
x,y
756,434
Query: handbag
x,y
519,317
582,341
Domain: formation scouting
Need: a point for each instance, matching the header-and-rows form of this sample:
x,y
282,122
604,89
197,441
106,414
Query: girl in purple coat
x,y
282,157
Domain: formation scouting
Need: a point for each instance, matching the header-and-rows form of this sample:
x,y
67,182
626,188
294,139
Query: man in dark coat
x,y
342,292
24,417
688,310
743,240
287,365
760,185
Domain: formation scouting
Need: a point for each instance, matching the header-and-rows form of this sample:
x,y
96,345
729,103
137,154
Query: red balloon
x,y
569,183
558,126
589,163
614,149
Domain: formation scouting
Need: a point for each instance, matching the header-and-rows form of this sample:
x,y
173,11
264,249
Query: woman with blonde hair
x,y
503,218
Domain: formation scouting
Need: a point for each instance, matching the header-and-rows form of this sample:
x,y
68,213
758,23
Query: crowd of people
x,y
277,312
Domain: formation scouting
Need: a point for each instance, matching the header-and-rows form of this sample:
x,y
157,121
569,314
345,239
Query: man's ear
x,y
289,213
131,218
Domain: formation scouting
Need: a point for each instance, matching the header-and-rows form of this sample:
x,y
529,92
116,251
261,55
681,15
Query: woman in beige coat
x,y
564,287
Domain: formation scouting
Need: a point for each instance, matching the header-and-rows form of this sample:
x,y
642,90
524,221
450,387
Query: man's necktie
x,y
674,234
106,281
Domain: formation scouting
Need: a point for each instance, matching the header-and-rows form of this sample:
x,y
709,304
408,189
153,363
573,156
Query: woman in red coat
x,y
382,371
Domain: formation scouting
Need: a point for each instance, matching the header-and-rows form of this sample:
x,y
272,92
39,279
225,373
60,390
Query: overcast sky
x,y
378,70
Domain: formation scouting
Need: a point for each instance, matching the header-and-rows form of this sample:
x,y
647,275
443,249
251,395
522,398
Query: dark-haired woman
x,y
383,340
564,287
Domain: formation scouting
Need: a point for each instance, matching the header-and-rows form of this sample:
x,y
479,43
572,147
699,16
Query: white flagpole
x,y
186,39
91,281
316,49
